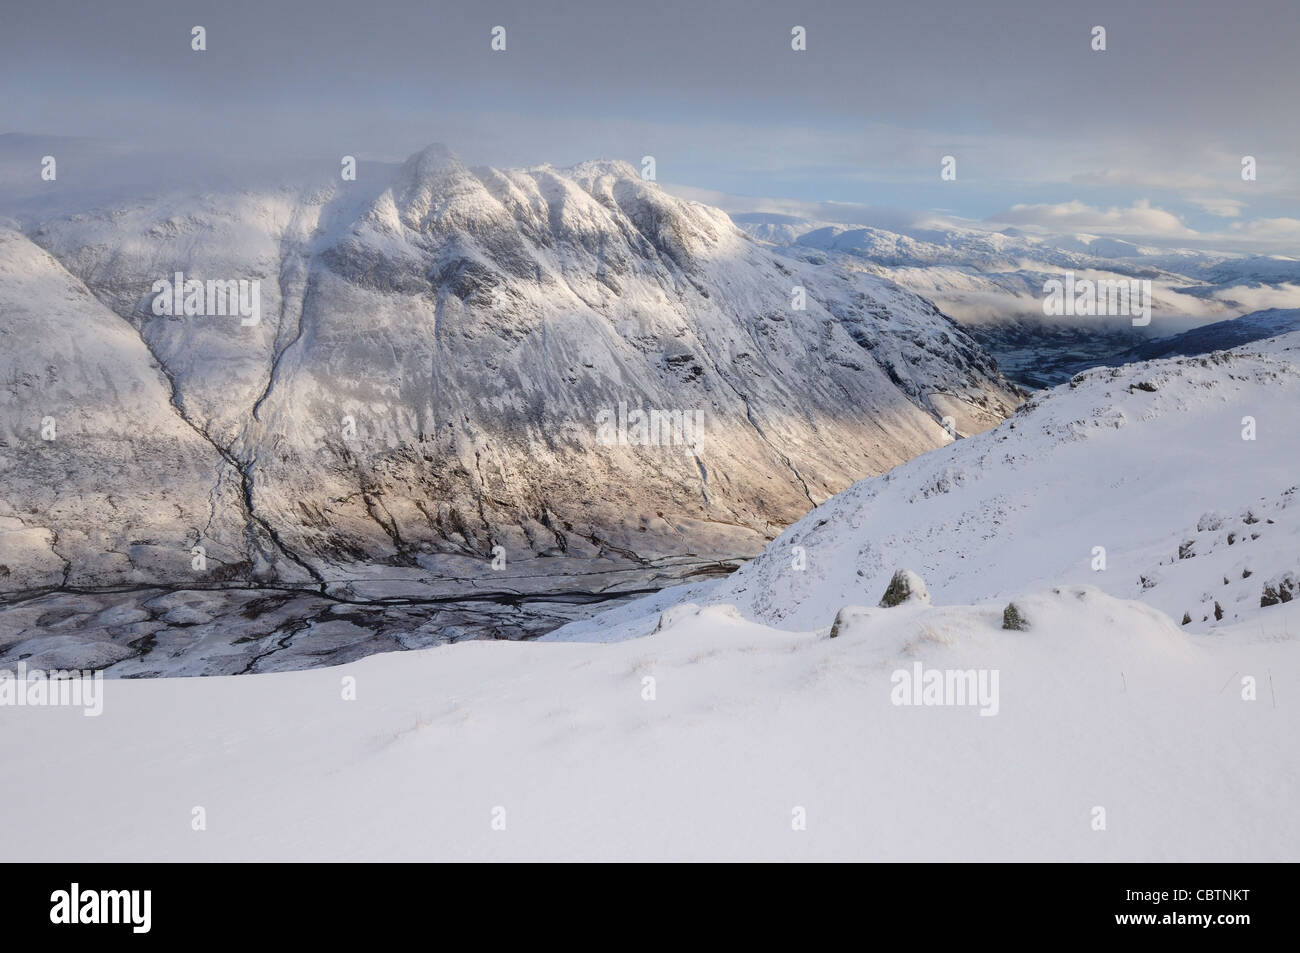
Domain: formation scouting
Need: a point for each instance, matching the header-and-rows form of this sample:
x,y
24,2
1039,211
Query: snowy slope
x,y
1146,461
1104,703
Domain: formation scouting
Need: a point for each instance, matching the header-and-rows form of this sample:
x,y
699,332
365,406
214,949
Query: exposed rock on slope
x,y
102,478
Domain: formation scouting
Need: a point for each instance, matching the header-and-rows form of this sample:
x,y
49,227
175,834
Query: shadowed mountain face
x,y
446,366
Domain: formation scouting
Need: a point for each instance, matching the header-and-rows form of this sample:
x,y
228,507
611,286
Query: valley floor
x,y
149,631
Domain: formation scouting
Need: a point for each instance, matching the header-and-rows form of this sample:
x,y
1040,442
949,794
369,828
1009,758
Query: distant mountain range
x,y
992,282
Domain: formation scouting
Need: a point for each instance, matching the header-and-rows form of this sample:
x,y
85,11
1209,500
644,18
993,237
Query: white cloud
x,y
1141,219
1245,299
1221,207
840,213
1268,230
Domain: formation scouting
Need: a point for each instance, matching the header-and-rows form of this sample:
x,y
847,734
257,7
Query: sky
x,y
1144,138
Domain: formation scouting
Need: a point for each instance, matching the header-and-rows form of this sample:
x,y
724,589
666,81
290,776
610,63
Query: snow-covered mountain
x,y
428,386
